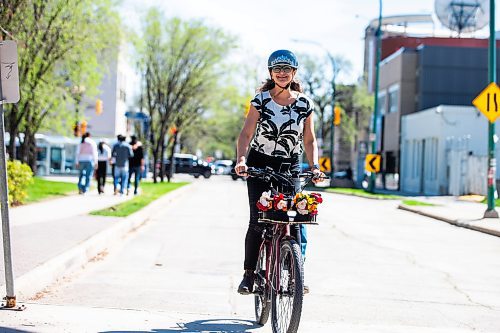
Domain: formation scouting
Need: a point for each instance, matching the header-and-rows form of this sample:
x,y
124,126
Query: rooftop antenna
x,y
463,16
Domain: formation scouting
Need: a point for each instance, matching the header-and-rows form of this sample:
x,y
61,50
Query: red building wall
x,y
393,43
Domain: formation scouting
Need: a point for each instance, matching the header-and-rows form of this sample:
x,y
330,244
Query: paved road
x,y
370,267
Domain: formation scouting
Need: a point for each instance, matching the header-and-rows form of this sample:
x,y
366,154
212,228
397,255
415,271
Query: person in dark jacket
x,y
136,163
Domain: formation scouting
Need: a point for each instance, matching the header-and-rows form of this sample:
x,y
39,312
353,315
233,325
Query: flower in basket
x,y
307,203
265,202
301,206
279,202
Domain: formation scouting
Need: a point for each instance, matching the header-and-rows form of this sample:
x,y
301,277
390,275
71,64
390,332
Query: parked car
x,y
190,164
222,167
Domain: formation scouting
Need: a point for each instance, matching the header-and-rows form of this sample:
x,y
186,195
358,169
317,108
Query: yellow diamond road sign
x,y
488,102
324,164
372,162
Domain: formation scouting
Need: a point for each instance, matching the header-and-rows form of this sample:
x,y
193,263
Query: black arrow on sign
x,y
324,165
374,158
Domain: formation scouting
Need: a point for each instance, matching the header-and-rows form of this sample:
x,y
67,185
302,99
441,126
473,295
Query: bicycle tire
x,y
262,301
291,284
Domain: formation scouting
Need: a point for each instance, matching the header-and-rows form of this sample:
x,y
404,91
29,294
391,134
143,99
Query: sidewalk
x,y
53,238
460,213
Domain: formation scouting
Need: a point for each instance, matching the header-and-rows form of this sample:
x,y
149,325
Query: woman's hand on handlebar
x,y
319,176
241,169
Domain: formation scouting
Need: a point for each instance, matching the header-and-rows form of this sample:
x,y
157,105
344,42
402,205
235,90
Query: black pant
x,y
255,188
102,169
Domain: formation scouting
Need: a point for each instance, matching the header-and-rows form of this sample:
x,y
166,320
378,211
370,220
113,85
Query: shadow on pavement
x,y
13,330
208,325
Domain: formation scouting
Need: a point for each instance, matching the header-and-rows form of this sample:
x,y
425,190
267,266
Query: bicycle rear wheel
x,y
287,299
262,301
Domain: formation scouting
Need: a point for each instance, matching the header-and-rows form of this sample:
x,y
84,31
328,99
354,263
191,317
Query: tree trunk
x,y
155,161
162,165
13,131
32,154
11,149
171,158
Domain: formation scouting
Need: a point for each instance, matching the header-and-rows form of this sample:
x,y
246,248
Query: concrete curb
x,y
455,222
362,196
29,284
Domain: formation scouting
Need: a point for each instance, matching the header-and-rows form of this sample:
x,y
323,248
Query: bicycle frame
x,y
280,232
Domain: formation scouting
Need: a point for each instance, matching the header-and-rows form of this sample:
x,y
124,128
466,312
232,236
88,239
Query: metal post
x,y
371,185
492,71
4,206
332,125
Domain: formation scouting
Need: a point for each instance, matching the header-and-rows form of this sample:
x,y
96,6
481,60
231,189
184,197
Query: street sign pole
x,y
371,184
332,125
9,93
4,206
490,211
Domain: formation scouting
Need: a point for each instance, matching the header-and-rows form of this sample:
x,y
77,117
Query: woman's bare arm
x,y
244,138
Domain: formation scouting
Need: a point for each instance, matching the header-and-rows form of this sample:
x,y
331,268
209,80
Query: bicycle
x,y
279,275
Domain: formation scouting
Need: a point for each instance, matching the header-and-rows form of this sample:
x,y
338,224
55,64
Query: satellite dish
x,y
463,15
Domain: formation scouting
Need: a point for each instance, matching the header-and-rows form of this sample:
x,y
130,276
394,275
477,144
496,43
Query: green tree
x,y
218,130
61,44
182,61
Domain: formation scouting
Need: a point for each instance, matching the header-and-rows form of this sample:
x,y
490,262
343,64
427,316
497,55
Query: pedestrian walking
x,y
86,161
278,126
103,157
136,164
121,153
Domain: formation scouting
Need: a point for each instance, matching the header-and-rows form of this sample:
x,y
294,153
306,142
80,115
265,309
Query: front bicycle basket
x,y
289,217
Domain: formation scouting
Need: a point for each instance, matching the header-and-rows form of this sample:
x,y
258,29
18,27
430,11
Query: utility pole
x,y
373,136
332,125
492,77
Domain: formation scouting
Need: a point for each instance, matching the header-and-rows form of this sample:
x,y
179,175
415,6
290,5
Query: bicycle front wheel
x,y
262,297
288,294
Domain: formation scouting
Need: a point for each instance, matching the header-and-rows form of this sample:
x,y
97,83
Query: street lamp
x,y
332,125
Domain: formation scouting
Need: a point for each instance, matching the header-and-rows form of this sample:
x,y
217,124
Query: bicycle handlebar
x,y
268,173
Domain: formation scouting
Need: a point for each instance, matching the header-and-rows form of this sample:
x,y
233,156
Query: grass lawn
x,y
43,189
416,203
362,193
150,192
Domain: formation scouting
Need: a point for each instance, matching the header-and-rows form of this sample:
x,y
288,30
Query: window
x,y
393,98
381,103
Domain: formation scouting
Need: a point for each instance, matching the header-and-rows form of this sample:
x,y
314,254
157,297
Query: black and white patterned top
x,y
280,129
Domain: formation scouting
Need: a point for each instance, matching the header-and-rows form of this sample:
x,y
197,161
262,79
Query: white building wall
x,y
428,136
118,93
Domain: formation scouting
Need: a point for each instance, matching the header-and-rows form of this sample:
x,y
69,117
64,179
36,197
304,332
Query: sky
x,y
263,26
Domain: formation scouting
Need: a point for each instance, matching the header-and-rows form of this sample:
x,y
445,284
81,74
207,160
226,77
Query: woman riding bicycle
x,y
280,121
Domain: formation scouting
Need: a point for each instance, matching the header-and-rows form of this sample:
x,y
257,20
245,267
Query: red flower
x,y
262,207
317,197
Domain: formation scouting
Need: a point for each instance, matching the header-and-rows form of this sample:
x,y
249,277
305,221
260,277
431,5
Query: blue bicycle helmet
x,y
282,57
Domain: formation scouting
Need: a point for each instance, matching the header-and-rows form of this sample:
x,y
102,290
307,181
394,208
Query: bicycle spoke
x,y
286,295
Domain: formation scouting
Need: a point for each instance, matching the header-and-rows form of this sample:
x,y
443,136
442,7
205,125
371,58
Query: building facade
x,y
412,80
444,151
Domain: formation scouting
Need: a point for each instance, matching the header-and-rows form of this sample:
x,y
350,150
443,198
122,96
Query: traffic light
x,y
337,112
76,129
98,106
83,127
